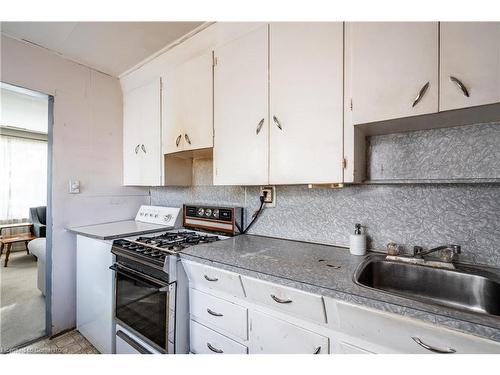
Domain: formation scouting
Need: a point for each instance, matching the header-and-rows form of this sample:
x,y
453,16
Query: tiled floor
x,y
69,343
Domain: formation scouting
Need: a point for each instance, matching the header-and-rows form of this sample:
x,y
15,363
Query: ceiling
x,y
110,47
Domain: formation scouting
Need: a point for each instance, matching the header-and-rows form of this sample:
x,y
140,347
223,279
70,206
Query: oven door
x,y
143,306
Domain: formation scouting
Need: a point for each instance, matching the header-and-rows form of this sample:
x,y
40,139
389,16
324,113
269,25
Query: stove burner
x,y
151,247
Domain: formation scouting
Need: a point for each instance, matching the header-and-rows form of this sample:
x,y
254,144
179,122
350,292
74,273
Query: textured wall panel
x,y
464,152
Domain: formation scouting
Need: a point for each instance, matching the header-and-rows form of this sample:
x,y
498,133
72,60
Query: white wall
x,y
87,145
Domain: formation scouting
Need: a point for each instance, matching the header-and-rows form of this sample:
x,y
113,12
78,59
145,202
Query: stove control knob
x,y
201,211
167,217
216,213
208,212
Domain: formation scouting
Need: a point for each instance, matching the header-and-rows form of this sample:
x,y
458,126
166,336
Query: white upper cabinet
x,y
470,64
188,105
142,135
241,110
306,87
391,69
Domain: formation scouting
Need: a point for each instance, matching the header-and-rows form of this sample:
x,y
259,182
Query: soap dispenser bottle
x,y
357,241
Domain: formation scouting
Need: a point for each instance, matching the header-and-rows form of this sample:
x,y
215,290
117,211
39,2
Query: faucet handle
x,y
450,253
417,250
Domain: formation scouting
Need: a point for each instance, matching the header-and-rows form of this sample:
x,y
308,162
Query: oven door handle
x,y
131,342
138,276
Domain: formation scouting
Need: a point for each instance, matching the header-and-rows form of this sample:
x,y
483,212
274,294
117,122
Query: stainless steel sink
x,y
467,288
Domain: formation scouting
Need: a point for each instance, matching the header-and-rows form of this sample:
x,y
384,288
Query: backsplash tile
x,y
464,152
411,214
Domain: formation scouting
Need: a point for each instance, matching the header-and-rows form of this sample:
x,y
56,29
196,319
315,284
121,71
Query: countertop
x,y
314,268
118,229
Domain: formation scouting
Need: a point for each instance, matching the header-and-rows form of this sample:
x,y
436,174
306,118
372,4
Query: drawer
x,y
291,301
206,341
218,313
341,347
390,333
269,335
206,277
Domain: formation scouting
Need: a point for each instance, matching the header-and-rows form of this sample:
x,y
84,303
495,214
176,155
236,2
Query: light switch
x,y
74,186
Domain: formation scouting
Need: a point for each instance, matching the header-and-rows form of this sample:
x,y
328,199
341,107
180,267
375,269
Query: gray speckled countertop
x,y
297,264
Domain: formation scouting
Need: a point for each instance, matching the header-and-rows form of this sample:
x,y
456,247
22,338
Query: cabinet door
x,y
142,135
269,335
131,143
470,64
188,106
306,75
391,69
241,111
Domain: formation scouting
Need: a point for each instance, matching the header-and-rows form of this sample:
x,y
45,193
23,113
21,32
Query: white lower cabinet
x,y
207,341
269,335
380,332
289,300
240,315
219,313
94,292
341,347
205,277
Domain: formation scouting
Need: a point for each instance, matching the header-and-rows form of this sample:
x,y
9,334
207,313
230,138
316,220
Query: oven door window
x,y
142,306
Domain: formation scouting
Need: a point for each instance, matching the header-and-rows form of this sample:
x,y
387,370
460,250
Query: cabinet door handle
x,y
460,85
208,278
186,137
136,149
214,349
433,349
277,123
143,148
178,140
211,312
421,94
317,350
279,300
259,126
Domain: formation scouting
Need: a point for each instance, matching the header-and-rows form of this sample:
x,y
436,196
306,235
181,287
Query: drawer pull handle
x,y
211,312
433,349
318,350
178,140
215,350
208,278
279,300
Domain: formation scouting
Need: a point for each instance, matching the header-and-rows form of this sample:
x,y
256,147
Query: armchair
x,y
38,216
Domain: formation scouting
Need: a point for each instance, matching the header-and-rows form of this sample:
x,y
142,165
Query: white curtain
x,y
23,176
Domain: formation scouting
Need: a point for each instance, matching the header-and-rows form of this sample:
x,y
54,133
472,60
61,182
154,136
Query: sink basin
x,y
466,288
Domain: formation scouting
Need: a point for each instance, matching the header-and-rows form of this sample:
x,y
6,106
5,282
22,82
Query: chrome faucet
x,y
448,253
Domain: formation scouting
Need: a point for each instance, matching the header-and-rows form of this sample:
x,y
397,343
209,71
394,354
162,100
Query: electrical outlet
x,y
270,195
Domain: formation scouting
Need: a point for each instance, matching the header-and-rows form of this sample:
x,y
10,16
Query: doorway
x,y
26,120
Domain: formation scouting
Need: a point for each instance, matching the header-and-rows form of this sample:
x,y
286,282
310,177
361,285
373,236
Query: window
x,y
23,151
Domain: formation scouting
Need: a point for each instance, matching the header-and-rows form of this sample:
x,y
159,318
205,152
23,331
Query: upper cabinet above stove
x,y
187,106
141,135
